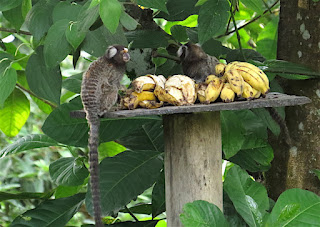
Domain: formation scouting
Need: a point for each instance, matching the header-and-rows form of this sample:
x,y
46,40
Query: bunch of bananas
x,y
237,79
152,91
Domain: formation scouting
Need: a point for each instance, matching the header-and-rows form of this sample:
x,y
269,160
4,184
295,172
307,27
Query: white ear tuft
x,y
181,49
198,44
111,52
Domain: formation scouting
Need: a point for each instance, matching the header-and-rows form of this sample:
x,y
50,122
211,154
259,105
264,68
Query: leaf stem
x,y
14,31
132,215
34,95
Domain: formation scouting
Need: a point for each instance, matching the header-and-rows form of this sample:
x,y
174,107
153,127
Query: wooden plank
x,y
271,100
193,155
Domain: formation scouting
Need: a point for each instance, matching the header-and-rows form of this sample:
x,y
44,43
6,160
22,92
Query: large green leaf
x,y
97,41
9,4
158,196
128,22
179,32
28,142
232,133
213,17
110,12
237,55
39,18
74,131
215,48
179,9
202,214
73,83
248,197
295,207
290,70
6,61
147,137
264,115
56,46
140,62
66,10
14,16
15,113
147,39
255,5
51,212
7,84
157,4
139,169
255,159
68,171
23,195
44,82
87,16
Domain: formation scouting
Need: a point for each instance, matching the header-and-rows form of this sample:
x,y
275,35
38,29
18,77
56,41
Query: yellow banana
x,y
227,94
143,83
253,79
256,93
230,65
247,91
235,80
220,69
201,92
131,101
213,90
150,104
215,78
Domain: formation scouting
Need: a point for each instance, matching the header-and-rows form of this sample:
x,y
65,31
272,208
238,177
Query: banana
x,y
235,80
256,93
213,90
253,79
230,65
214,78
247,91
220,69
143,83
227,94
201,88
150,104
132,100
254,69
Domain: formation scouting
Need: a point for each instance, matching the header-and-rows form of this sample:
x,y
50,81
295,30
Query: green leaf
x,y
73,83
255,5
295,207
202,214
158,196
179,10
179,32
68,171
156,4
51,212
97,41
232,134
110,11
44,82
290,70
140,62
139,209
200,2
236,55
28,142
9,4
264,115
255,159
148,137
128,22
19,196
74,36
248,197
317,172
56,46
66,11
66,191
7,84
26,7
147,39
39,18
14,16
213,17
139,169
110,149
74,131
5,62
15,113
87,16
215,48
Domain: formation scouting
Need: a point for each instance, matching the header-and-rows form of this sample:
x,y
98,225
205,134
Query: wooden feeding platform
x,y
193,150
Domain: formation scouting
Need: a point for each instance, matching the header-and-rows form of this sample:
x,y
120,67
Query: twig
x,y
132,215
14,31
155,54
33,94
266,5
251,21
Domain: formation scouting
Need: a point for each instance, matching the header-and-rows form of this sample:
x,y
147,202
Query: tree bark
x,y
299,42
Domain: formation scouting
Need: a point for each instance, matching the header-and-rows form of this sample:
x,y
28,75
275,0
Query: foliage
x,y
45,45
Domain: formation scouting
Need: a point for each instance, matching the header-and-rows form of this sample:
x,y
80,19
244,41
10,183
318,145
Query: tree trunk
x,y
299,42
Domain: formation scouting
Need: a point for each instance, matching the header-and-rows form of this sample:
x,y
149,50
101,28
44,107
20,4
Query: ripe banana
x,y
220,69
235,80
201,88
143,83
213,90
256,93
150,104
227,94
132,100
247,91
256,70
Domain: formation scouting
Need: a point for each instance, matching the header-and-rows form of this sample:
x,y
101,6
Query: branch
x,y
14,31
34,95
155,54
252,20
132,215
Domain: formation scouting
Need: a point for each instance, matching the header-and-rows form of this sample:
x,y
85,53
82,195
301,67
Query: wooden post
x,y
193,156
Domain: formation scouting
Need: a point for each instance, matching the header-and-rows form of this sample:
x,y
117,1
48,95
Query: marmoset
x,y
196,63
99,92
